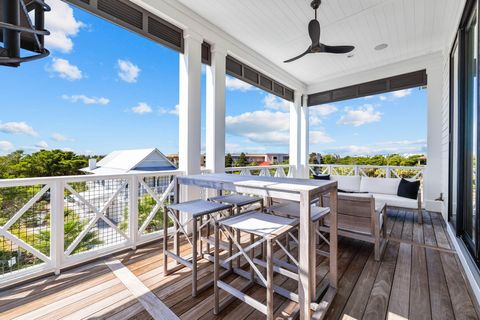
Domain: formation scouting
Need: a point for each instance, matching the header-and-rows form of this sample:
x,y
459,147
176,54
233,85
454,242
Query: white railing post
x,y
388,172
356,171
133,210
56,224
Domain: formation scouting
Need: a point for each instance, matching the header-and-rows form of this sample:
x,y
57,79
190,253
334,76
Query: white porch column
x,y
295,135
432,177
304,139
215,111
190,110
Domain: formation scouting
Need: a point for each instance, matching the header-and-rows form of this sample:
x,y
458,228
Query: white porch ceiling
x,y
277,29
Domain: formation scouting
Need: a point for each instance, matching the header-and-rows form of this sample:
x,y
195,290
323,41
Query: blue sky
x,y
104,88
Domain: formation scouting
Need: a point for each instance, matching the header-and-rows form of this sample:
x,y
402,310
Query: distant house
x,y
270,158
130,161
98,192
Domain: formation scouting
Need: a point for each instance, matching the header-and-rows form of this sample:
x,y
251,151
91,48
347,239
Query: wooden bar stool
x,y
240,202
291,209
196,209
268,229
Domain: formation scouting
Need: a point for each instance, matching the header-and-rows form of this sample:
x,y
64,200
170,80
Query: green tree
x,y
73,226
242,161
312,158
228,161
44,163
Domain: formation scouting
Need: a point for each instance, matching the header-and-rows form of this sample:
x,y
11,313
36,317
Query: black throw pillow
x,y
321,176
408,189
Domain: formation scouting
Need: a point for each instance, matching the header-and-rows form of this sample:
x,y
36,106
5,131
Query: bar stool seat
x,y
292,209
197,209
237,200
260,224
268,228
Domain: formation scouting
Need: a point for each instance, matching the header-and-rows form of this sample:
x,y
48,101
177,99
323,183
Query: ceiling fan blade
x,y
309,50
314,32
337,49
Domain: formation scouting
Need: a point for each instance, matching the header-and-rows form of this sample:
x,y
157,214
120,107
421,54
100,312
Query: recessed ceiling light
x,y
381,46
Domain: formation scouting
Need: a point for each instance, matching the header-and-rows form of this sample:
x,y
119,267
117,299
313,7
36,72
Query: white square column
x,y
295,136
215,111
190,110
432,180
304,139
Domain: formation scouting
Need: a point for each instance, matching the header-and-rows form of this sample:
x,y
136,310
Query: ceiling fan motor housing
x,y
315,4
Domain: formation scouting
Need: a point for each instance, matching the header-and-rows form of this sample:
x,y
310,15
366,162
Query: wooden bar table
x,y
302,191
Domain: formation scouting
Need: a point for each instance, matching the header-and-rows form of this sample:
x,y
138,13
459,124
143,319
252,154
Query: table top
x,y
238,182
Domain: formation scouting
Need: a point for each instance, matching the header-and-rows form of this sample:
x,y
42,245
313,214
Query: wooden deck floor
x,y
419,277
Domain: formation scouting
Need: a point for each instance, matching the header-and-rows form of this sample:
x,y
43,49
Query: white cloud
x,y
128,71
275,103
260,126
59,137
402,93
65,70
86,100
173,111
237,148
234,84
403,147
41,145
62,25
319,137
142,108
360,116
5,145
382,98
17,128
318,113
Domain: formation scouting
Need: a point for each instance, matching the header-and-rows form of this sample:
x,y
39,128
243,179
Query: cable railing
x,y
48,224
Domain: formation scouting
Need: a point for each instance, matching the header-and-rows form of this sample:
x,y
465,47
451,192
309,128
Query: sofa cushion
x,y
380,185
395,201
347,183
408,189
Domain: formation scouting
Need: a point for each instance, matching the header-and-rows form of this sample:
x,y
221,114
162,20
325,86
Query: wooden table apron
x,y
300,190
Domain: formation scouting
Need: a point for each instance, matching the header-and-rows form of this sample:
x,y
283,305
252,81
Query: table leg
x,y
333,238
305,289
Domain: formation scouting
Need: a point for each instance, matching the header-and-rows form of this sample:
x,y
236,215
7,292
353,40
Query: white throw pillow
x,y
347,183
379,185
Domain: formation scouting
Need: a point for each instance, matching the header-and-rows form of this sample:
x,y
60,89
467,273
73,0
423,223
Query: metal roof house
x,y
130,161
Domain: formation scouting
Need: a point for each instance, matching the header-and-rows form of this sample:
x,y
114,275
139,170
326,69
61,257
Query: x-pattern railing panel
x,y
99,213
159,200
23,227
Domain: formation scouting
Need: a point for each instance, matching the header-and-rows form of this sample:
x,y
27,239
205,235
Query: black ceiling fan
x,y
314,33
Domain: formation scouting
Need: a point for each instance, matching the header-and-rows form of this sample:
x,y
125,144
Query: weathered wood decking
x,y
419,277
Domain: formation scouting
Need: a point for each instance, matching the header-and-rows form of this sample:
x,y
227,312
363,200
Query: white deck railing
x,y
415,172
269,171
369,170
47,224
